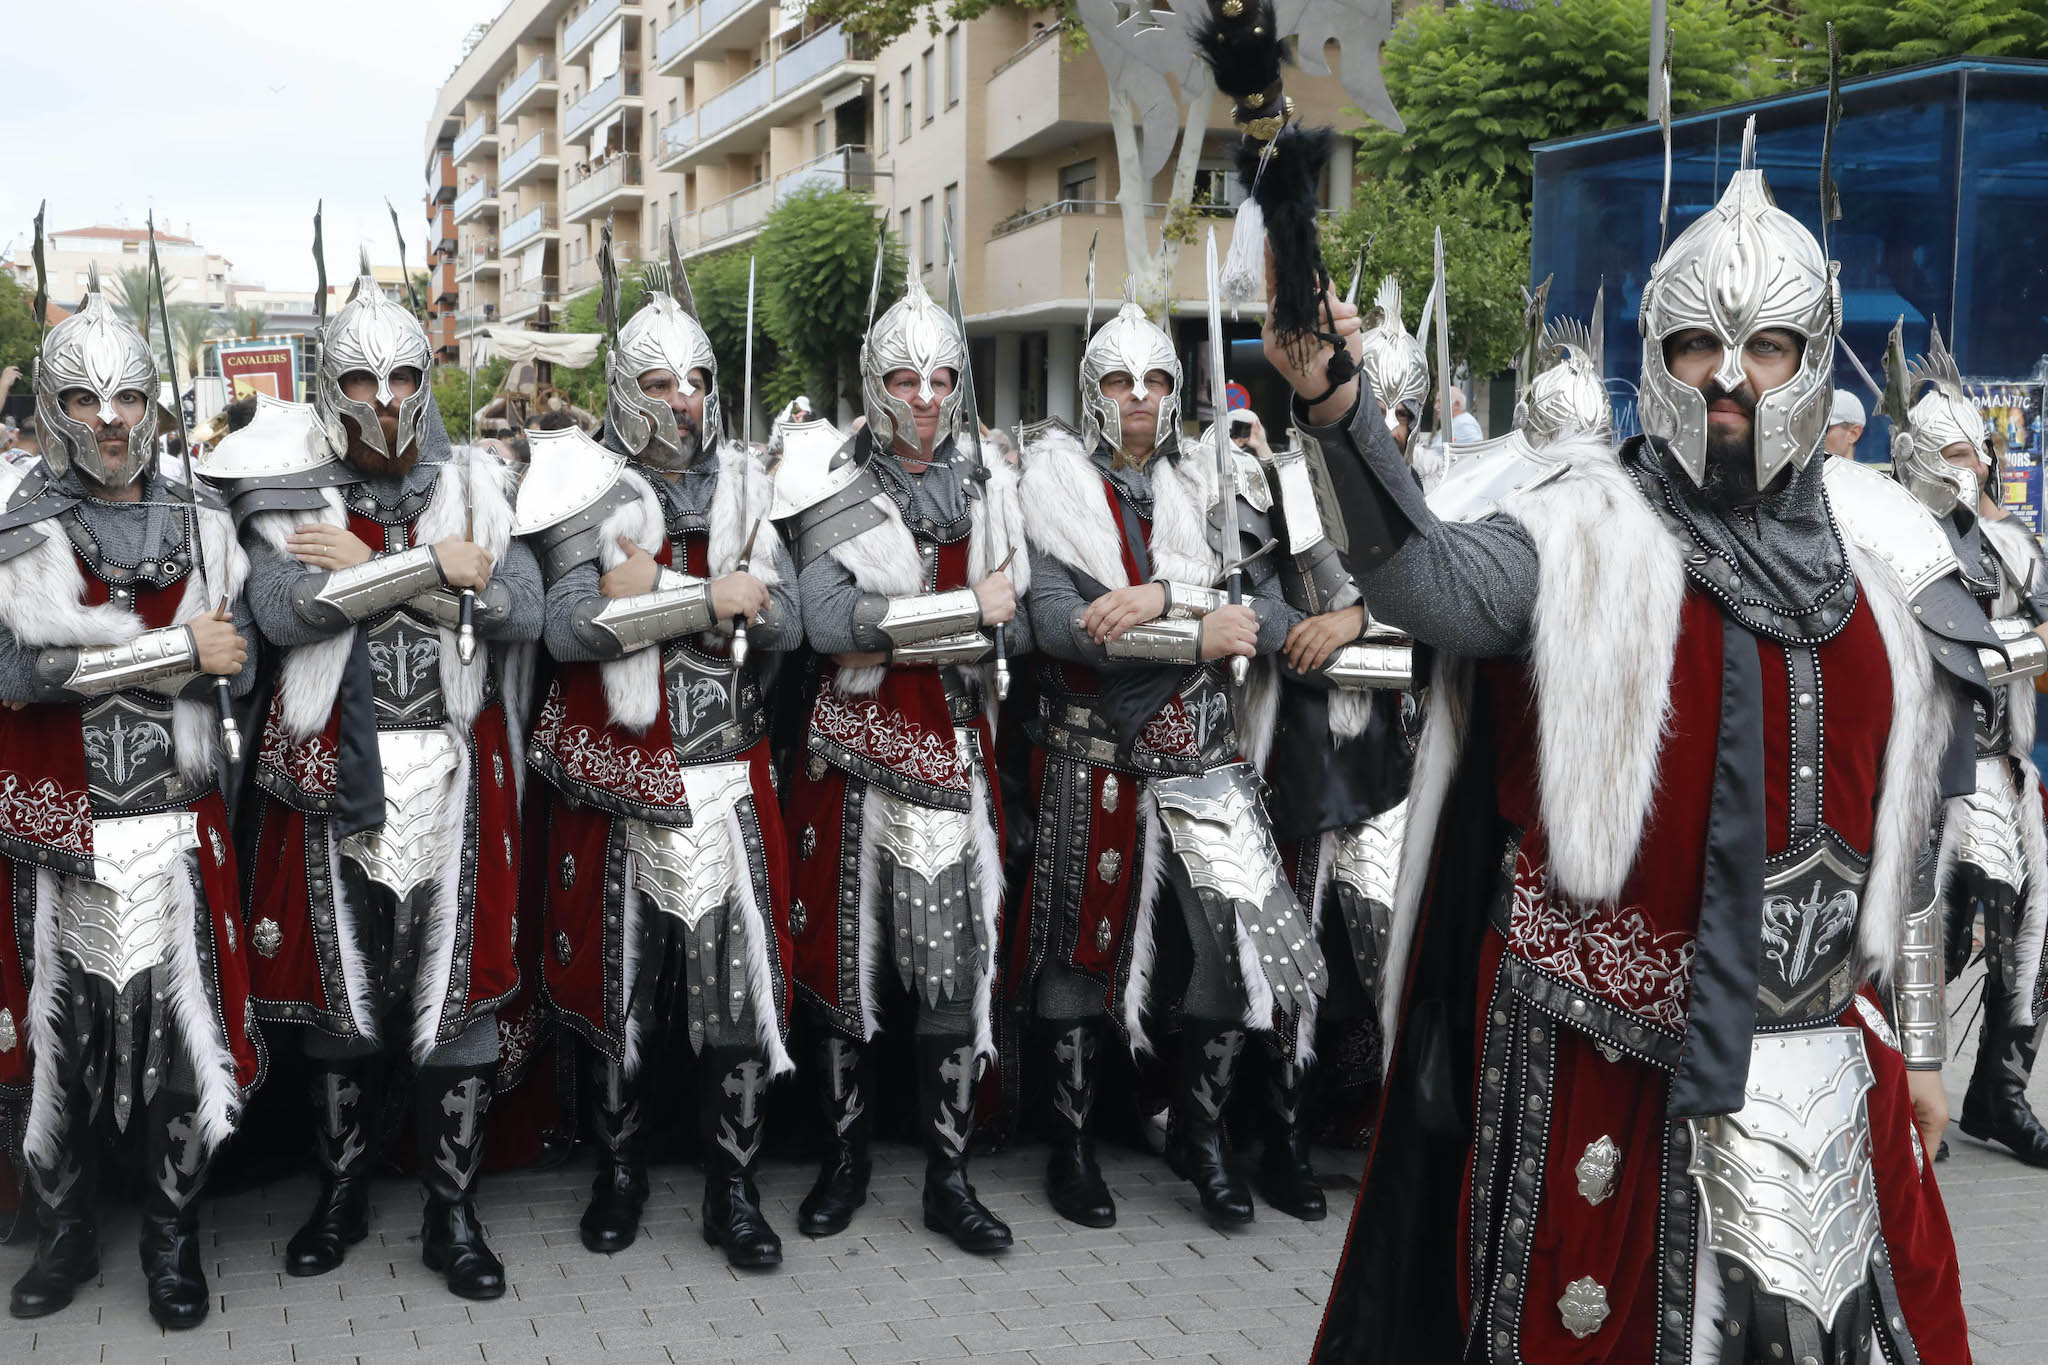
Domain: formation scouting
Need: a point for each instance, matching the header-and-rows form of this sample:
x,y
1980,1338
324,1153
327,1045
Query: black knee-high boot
x,y
945,1101
1204,1068
171,1266
453,1103
842,1184
618,1191
1286,1178
341,1149
67,1237
1073,1180
729,1118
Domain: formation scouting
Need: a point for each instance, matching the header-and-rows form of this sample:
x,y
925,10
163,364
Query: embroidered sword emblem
x,y
400,662
119,750
1796,935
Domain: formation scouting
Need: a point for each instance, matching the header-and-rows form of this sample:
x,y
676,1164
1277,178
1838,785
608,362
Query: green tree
x,y
1477,83
1486,255
249,323
1877,35
452,391
17,330
132,292
817,261
192,326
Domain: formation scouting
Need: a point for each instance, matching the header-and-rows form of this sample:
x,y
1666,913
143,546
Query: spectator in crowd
x,y
241,412
1845,426
1465,428
555,420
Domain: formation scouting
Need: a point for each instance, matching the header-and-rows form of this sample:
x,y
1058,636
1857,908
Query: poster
x,y
2013,414
267,367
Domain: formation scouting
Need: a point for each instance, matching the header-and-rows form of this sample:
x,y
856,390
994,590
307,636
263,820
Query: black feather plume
x,y
1282,175
1244,52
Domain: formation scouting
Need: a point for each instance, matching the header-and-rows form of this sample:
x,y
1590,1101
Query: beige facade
x,y
192,274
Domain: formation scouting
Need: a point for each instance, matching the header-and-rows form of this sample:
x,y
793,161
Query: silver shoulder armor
x,y
678,606
1488,473
362,590
282,439
151,657
1174,640
1296,485
1883,519
817,461
568,474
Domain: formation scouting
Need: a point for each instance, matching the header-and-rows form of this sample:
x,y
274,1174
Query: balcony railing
x,y
842,168
467,320
812,57
676,137
583,275
1061,208
677,36
621,172
475,195
735,102
615,87
479,128
528,226
525,297
737,212
477,253
584,26
538,70
522,156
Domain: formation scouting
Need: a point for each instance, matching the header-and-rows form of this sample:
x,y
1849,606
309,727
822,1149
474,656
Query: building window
x,y
671,111
818,138
1077,182
675,204
882,127
930,72
953,214
907,243
924,229
906,102
955,59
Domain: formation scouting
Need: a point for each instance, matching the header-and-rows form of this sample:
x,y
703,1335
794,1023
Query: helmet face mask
x,y
661,336
371,335
1130,344
95,352
1743,268
915,334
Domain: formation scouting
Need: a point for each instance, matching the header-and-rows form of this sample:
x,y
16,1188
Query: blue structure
x,y
1943,170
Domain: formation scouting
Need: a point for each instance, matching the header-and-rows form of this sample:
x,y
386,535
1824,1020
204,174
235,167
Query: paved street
x,y
1160,1285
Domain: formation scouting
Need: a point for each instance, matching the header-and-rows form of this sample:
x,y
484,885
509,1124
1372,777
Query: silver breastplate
x,y
714,709
119,924
419,769
405,669
131,757
1787,1183
1812,896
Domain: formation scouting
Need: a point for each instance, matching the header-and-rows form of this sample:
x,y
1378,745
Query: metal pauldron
x,y
1166,640
1379,661
1787,1183
648,618
153,656
964,648
923,616
2025,656
362,590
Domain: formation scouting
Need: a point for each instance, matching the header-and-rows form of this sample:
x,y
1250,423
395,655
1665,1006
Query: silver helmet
x,y
371,335
95,351
1744,267
1394,362
1567,395
1129,343
661,336
917,335
1942,416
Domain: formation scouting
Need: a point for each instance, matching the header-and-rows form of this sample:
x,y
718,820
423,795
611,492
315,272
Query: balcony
x,y
743,97
809,59
677,138
620,85
481,197
681,40
1036,102
842,168
578,32
726,218
467,320
522,299
528,226
602,186
527,161
583,276
1037,259
478,261
751,102
480,136
529,87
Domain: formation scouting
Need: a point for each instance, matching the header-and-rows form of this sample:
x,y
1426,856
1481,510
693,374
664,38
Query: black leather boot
x,y
67,1239
453,1102
1203,1069
618,1192
341,1149
1995,1107
729,1118
945,1102
171,1267
1073,1180
1285,1177
842,1184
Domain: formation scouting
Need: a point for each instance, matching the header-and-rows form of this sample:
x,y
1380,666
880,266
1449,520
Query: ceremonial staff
x,y
978,470
223,696
1226,467
739,629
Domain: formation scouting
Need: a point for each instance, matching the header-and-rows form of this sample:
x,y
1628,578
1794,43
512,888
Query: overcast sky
x,y
232,117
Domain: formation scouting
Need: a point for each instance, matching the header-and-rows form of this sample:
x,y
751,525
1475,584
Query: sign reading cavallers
x,y
267,367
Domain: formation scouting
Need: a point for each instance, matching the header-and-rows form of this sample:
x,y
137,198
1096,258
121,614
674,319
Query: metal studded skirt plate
x,y
402,853
119,924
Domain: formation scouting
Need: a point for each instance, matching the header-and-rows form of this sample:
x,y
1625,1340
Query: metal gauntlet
x,y
965,648
1386,661
1166,640
443,606
1916,990
2026,654
624,624
907,621
362,590
1187,602
151,657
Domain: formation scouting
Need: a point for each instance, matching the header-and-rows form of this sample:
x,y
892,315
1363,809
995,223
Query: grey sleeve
x,y
201,686
19,680
1268,601
566,597
512,605
1467,588
1053,606
830,597
782,625
273,576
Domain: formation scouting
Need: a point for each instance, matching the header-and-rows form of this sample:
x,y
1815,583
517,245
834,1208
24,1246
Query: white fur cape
x,y
309,681
884,559
41,602
1608,596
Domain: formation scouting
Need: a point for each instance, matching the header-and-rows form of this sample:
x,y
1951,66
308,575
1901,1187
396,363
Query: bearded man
x,y
665,840
387,851
123,986
1681,755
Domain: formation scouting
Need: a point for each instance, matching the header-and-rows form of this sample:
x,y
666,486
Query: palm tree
x,y
249,322
193,325
132,292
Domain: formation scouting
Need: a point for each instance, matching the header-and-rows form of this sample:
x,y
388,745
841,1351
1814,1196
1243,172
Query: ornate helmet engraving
x,y
661,336
1941,417
1567,394
1744,267
1129,343
374,336
1394,361
917,335
95,351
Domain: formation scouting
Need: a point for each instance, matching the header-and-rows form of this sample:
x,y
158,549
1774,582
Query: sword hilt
x,y
1002,664
465,632
1240,667
739,641
230,732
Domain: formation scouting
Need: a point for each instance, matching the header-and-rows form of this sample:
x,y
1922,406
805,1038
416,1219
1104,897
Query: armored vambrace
x,y
896,623
443,606
363,590
153,656
1379,661
1916,989
1165,640
2025,656
618,626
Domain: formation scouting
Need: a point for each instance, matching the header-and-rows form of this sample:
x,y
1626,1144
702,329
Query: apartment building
x,y
192,274
705,115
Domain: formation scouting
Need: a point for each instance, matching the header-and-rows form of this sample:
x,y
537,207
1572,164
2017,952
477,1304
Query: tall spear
x,y
739,628
1226,466
230,733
